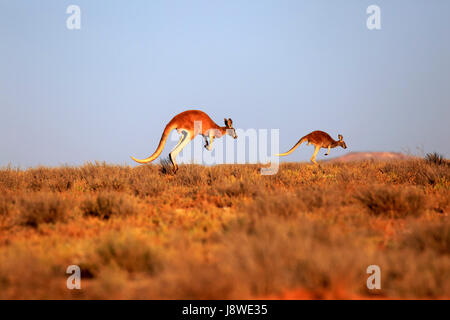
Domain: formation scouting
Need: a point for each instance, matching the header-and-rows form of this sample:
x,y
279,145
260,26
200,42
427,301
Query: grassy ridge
x,y
226,231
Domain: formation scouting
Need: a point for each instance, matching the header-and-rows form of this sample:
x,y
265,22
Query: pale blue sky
x,y
106,91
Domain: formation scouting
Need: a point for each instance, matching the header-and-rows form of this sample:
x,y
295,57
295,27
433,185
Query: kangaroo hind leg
x,y
313,158
184,140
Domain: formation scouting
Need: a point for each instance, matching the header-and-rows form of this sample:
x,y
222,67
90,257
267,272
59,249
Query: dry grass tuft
x,y
436,158
278,204
41,208
106,205
434,237
128,252
166,167
392,202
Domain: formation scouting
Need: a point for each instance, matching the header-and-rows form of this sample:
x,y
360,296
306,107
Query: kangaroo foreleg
x,y
208,145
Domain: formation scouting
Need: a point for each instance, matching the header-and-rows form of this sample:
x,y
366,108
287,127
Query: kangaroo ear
x,y
230,122
340,137
226,121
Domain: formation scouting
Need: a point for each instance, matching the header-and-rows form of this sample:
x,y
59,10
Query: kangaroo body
x,y
189,124
319,139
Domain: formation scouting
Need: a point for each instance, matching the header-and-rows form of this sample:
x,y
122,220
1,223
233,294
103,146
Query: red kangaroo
x,y
319,139
186,124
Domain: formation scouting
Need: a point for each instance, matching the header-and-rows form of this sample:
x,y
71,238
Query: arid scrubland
x,y
226,231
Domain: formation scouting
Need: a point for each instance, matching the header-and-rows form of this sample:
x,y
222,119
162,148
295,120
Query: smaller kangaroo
x,y
319,139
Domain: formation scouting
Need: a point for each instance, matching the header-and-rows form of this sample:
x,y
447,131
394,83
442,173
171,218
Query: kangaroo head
x,y
230,129
342,142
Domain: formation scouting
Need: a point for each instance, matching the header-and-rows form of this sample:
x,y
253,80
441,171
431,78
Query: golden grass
x,y
226,231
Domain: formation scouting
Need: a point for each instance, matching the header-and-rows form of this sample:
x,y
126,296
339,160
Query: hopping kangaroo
x,y
189,124
319,139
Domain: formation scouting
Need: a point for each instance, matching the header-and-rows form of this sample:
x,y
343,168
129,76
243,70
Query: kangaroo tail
x,y
293,148
160,148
